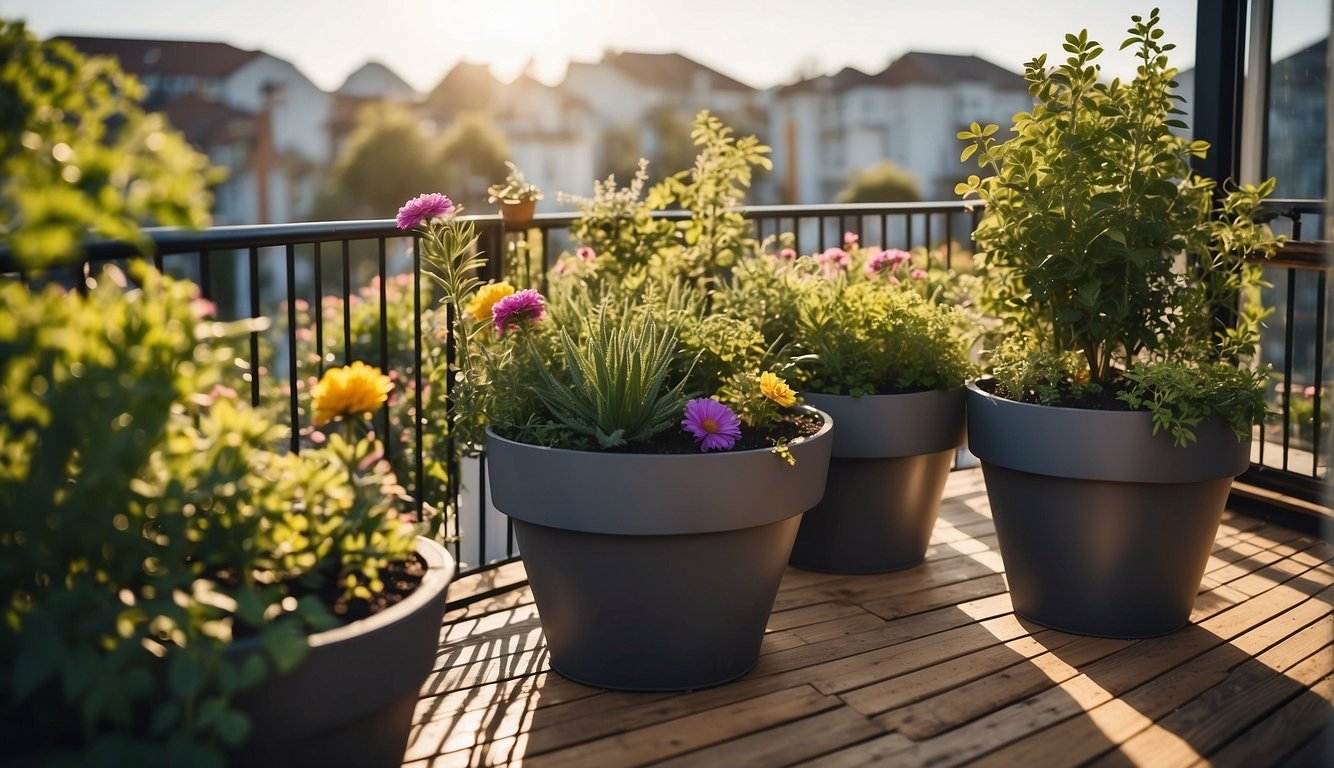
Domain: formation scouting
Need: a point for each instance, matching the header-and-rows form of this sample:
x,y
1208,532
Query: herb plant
x,y
1089,204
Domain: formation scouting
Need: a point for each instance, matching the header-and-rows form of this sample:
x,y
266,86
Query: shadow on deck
x,y
925,666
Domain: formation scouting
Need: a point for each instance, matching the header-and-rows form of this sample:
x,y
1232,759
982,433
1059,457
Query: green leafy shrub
x,y
150,523
1091,201
79,157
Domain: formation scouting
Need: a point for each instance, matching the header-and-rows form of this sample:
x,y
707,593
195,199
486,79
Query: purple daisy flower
x,y
518,310
422,209
712,424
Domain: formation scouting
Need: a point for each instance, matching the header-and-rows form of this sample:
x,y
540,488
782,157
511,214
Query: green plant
x,y
624,241
1091,201
150,523
869,338
617,390
515,189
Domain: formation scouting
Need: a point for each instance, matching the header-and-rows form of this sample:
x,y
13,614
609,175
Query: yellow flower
x,y
485,298
356,389
777,390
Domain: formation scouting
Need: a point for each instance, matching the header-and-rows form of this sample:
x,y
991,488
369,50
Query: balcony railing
x,y
339,291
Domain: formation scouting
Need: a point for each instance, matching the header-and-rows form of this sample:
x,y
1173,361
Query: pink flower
x,y
885,262
832,262
585,253
518,310
850,239
787,254
712,424
918,274
422,209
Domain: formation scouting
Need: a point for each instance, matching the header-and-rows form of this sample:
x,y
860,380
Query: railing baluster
x,y
293,371
255,362
317,309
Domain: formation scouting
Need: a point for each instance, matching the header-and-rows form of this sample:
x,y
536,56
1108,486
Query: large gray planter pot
x,y
891,459
655,572
351,700
1104,528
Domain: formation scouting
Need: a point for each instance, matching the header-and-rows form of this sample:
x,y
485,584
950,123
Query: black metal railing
x,y
341,291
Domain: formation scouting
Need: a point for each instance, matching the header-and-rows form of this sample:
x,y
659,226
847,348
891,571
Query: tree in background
x,y
472,158
883,182
388,159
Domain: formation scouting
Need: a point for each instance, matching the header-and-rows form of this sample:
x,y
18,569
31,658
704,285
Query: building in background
x,y
827,128
250,111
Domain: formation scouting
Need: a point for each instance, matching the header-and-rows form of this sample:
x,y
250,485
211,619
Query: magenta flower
x,y
833,262
850,239
787,254
585,253
422,209
712,424
919,274
518,310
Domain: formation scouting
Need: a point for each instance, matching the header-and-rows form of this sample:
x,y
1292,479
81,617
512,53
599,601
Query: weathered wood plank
x,y
668,739
1297,722
787,744
1084,738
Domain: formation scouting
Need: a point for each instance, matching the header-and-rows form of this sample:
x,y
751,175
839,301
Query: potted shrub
x,y
655,487
159,559
162,559
516,196
888,364
1122,401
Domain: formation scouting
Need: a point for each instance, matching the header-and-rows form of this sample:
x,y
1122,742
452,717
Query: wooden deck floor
x,y
925,667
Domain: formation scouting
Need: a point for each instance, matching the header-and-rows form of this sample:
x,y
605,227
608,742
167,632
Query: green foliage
x,y
387,157
1180,398
617,368
870,338
1029,373
79,157
149,523
717,233
515,189
1091,201
619,228
881,183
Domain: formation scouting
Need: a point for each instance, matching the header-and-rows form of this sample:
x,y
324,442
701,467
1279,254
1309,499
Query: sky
x,y
760,42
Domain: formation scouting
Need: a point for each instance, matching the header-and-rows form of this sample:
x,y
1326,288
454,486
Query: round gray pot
x,y
1104,528
891,459
655,572
350,701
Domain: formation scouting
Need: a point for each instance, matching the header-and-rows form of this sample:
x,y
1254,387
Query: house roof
x,y
208,123
376,80
947,68
669,70
917,68
166,57
466,86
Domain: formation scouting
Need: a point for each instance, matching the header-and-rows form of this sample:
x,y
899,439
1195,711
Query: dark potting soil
x,y
678,441
1104,400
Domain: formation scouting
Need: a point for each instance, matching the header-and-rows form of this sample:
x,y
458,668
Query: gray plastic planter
x,y
655,572
891,459
350,701
1105,529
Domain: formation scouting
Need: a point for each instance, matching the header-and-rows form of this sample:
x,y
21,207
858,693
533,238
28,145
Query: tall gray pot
x,y
350,701
655,572
891,459
1104,528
